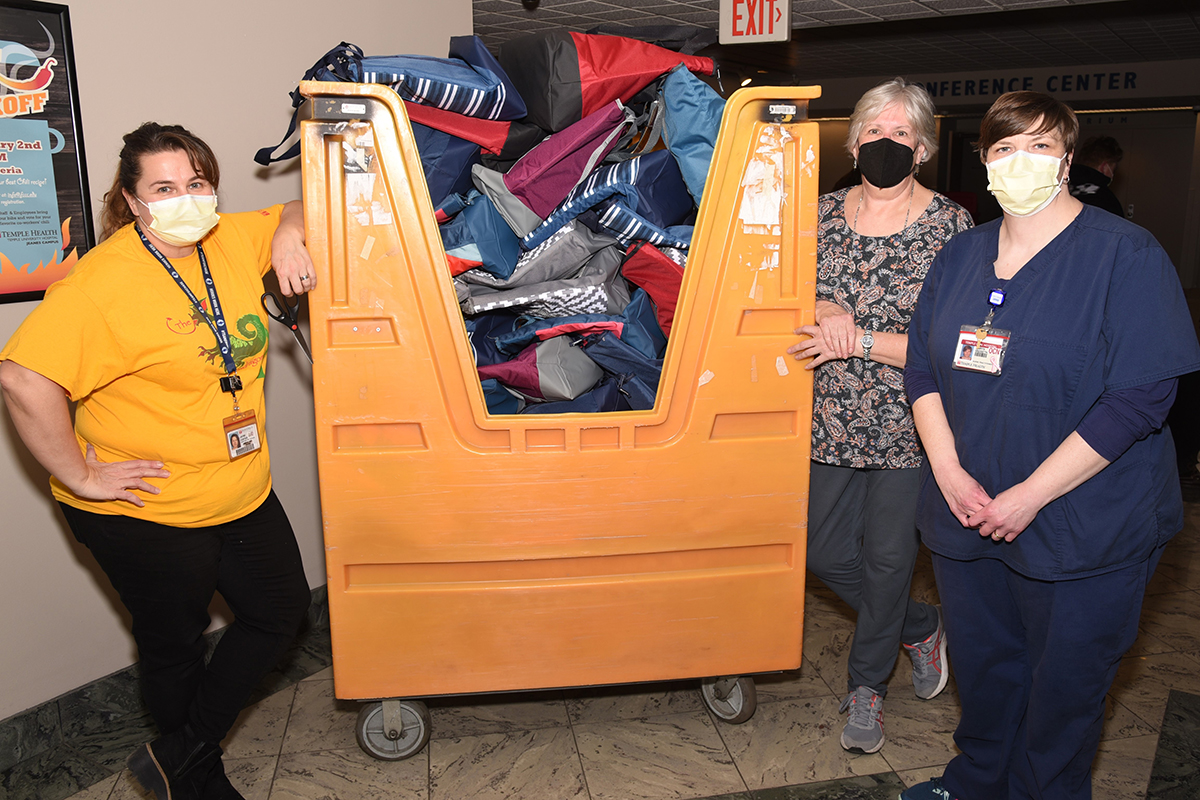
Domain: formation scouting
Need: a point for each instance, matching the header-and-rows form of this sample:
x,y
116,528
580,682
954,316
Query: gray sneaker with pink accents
x,y
929,673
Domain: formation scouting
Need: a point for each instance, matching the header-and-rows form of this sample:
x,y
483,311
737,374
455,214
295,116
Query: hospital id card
x,y
241,435
981,349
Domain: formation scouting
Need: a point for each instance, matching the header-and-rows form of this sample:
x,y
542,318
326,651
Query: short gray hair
x,y
912,97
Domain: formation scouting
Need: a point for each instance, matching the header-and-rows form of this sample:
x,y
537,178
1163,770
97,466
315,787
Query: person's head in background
x,y
1101,153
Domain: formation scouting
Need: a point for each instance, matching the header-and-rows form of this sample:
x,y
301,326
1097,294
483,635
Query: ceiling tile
x,y
871,37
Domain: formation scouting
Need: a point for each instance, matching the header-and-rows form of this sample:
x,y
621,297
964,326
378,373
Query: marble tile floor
x,y
658,742
1176,771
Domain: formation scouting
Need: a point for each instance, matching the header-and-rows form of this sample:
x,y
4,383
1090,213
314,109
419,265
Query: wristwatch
x,y
867,342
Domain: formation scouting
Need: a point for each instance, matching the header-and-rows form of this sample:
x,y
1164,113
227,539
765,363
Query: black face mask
x,y
885,162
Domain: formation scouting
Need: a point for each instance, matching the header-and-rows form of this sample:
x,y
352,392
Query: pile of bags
x,y
565,178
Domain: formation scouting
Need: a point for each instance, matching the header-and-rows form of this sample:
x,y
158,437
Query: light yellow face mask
x,y
183,220
1025,183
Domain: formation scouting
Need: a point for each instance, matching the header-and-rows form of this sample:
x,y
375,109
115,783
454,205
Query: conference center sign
x,y
1130,83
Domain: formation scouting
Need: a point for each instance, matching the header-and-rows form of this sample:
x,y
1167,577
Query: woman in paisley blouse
x,y
875,243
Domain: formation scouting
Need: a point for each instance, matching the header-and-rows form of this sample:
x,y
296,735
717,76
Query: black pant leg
x,y
166,578
262,579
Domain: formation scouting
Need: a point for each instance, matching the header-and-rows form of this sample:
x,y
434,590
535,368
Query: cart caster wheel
x,y
731,699
393,730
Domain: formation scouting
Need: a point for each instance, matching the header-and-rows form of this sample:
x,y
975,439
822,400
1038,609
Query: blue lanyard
x,y
216,322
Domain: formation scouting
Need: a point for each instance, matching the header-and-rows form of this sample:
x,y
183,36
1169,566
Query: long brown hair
x,y
148,139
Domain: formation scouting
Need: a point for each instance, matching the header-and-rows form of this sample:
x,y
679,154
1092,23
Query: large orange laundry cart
x,y
477,553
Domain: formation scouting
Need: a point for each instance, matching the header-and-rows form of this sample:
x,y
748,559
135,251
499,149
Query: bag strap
x,y
630,252
648,125
645,132
657,120
342,63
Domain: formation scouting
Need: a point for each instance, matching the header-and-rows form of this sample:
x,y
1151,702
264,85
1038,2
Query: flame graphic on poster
x,y
24,278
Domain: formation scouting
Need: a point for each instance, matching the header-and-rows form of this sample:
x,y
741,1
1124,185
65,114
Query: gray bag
x,y
564,370
577,272
560,256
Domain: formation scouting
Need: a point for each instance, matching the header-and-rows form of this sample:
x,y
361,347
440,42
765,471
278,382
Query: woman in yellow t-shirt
x,y
159,336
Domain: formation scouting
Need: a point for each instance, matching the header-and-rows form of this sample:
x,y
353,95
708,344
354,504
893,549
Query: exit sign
x,y
745,21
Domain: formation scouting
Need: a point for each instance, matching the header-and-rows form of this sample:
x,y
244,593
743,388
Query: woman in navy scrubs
x,y
1050,485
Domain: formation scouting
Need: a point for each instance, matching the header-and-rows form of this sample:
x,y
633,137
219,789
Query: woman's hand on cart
x,y
839,328
289,257
816,347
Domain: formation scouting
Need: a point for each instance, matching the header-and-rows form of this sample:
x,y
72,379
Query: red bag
x,y
651,269
564,76
501,138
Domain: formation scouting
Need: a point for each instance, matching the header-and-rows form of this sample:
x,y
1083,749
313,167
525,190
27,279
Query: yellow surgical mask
x,y
1025,183
183,220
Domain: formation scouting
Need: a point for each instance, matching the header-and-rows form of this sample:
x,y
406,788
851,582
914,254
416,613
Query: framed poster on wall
x,y
45,210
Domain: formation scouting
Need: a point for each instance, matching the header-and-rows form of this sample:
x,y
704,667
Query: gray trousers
x,y
862,544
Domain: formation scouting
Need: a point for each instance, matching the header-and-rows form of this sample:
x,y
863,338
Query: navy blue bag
x,y
472,50
500,400
450,84
616,357
632,331
446,161
641,312
342,63
483,331
470,82
635,199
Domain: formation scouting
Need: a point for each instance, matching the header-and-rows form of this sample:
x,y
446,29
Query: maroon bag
x,y
536,184
550,370
564,76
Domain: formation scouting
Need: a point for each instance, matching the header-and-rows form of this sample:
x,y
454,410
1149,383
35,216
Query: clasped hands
x,y
834,337
1002,518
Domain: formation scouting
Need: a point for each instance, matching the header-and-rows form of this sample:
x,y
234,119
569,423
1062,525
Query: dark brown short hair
x,y
1017,112
1098,150
148,139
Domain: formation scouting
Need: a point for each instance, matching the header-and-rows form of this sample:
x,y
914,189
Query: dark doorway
x,y
968,176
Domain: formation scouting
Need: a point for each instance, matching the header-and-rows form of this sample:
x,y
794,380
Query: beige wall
x,y
223,69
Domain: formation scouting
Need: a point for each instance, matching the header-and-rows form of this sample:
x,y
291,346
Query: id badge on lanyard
x,y
241,434
240,431
981,348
